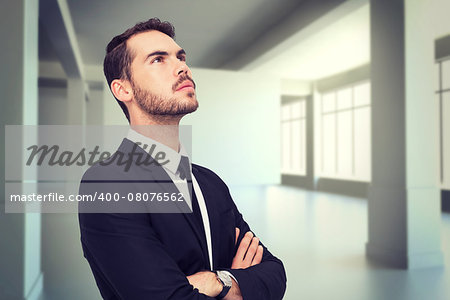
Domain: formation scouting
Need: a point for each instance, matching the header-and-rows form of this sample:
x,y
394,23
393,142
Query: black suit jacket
x,y
149,255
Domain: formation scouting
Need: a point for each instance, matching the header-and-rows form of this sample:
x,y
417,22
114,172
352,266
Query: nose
x,y
181,68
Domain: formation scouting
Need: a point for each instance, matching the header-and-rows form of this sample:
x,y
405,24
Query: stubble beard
x,y
164,107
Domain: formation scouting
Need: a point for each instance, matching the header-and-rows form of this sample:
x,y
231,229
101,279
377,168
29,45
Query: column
x,y
404,201
76,102
20,234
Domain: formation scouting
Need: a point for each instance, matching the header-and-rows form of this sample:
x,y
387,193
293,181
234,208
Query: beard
x,y
158,105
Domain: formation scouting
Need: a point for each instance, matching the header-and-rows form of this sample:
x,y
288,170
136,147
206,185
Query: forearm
x,y
206,283
265,281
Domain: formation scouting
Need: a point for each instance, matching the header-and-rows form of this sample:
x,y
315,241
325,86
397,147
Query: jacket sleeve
x,y
128,260
265,281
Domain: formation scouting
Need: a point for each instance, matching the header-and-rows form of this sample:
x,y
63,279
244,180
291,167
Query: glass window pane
x,y
285,145
329,145
344,98
328,102
345,144
437,76
303,147
296,113
446,138
446,74
362,144
362,94
285,112
295,143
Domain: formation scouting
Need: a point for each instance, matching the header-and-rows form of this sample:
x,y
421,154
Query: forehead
x,y
143,43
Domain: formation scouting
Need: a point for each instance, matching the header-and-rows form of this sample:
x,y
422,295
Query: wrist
x,y
225,281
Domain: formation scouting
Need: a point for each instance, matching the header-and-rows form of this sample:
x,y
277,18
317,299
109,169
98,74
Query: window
x,y
345,134
443,98
293,137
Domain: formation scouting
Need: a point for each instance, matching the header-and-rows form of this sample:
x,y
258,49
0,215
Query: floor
x,y
319,237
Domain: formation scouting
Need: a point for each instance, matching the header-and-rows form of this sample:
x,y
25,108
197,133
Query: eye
x,y
158,59
182,58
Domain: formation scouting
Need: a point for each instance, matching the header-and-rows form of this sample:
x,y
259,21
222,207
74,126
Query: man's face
x,y
161,81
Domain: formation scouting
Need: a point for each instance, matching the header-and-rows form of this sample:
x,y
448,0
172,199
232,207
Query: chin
x,y
186,106
190,99
191,108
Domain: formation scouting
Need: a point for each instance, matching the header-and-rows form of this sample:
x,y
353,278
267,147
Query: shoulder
x,y
203,171
205,174
117,166
102,171
212,185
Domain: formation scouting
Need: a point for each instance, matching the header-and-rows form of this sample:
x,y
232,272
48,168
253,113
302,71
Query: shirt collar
x,y
172,156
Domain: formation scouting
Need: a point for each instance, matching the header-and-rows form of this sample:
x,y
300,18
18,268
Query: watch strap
x,y
226,285
224,292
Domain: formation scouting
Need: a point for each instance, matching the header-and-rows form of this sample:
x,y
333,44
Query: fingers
x,y
251,251
237,235
243,246
258,256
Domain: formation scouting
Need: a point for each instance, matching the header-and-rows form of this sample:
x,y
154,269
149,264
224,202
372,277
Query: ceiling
x,y
231,34
342,45
211,31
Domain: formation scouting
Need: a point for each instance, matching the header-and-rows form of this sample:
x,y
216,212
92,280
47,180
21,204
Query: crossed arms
x,y
248,254
129,262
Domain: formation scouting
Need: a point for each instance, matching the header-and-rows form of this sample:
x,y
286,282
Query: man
x,y
205,254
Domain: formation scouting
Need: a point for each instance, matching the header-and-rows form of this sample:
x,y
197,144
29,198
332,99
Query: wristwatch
x,y
225,279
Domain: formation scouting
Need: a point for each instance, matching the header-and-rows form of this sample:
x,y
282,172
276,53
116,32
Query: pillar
x,y
20,234
404,201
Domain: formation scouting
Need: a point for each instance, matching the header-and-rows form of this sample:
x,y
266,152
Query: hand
x,y
206,282
249,244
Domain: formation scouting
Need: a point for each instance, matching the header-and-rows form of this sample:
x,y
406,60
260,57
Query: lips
x,y
185,84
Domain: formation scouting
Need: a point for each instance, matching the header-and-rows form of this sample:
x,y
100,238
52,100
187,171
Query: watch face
x,y
225,278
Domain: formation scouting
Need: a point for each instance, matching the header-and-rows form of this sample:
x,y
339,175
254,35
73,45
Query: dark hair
x,y
118,58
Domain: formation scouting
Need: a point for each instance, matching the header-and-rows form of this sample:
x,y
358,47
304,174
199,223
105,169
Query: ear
x,y
122,90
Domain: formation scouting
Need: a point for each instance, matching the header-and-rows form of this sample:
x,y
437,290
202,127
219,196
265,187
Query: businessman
x,y
197,249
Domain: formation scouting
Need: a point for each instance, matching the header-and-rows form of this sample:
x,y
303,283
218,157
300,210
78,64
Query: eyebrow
x,y
164,53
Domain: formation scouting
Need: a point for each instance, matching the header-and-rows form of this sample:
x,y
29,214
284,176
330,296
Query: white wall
x,y
236,130
295,87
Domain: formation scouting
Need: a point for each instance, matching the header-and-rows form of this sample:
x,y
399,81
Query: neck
x,y
163,129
